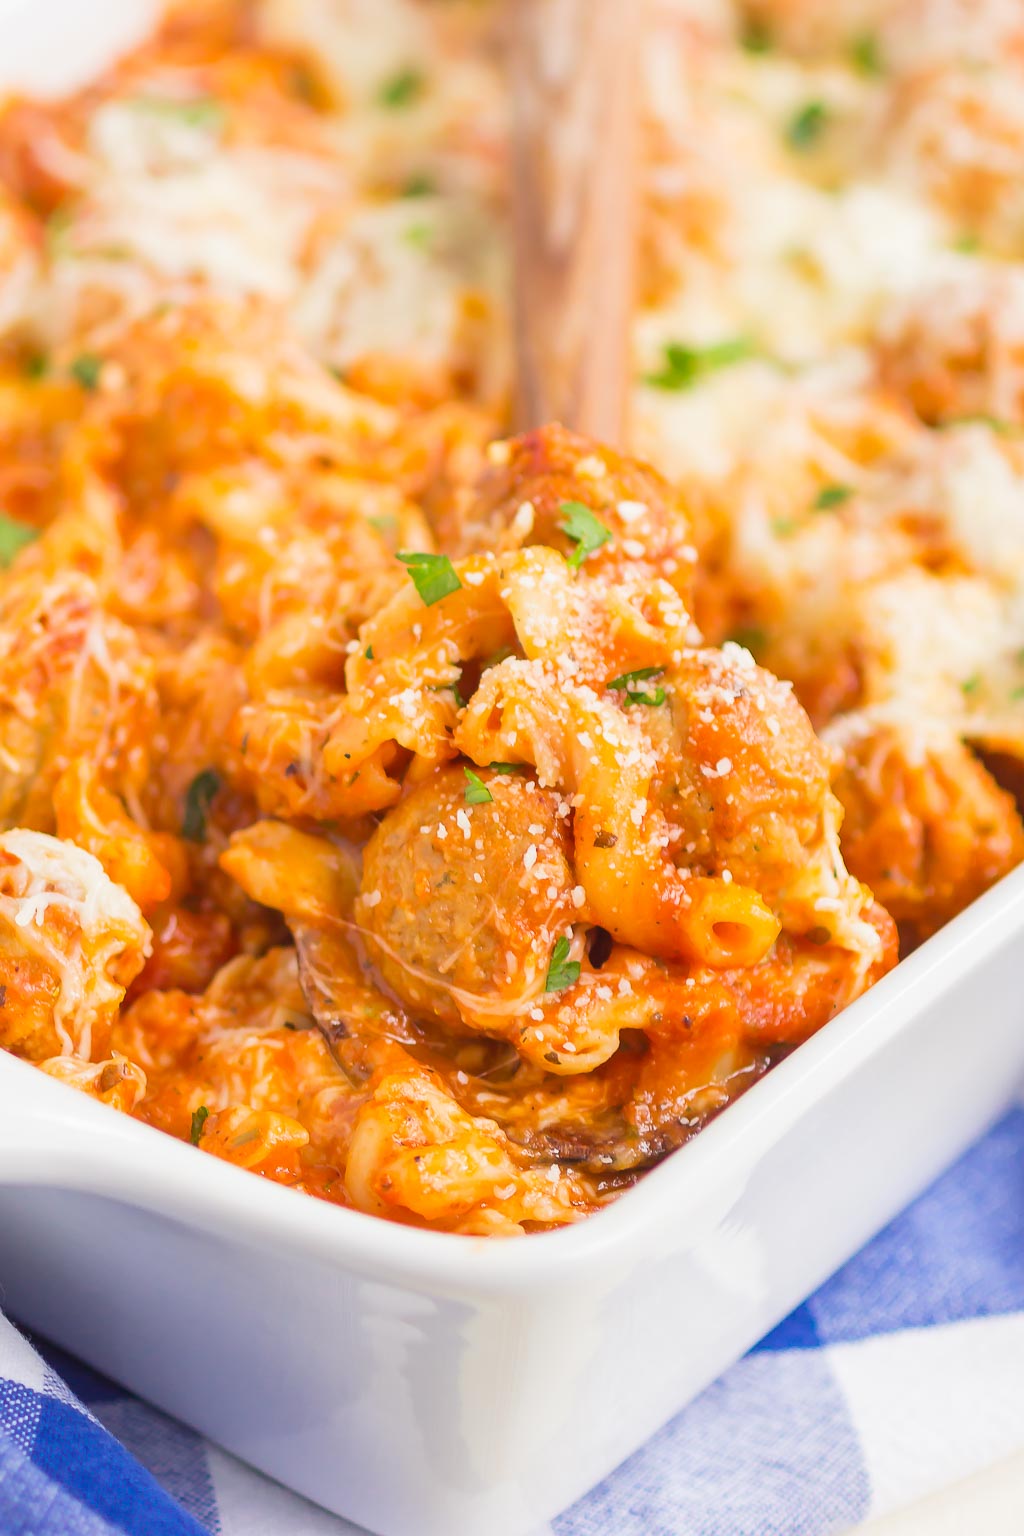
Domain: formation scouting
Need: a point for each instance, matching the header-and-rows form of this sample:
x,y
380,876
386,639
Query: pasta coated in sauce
x,y
396,809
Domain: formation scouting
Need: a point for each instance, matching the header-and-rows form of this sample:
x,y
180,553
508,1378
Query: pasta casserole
x,y
405,811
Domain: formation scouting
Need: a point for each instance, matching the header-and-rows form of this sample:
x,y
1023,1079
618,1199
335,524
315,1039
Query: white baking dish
x,y
51,46
427,1385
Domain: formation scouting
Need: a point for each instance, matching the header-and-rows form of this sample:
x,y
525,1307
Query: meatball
x,y
532,479
70,943
464,898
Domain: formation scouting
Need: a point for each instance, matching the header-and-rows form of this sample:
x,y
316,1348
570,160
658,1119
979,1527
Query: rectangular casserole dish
x,y
426,1385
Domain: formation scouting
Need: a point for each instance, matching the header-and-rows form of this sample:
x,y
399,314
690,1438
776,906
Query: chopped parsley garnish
x,y
433,576
198,798
783,527
452,688
967,243
505,767
686,366
970,685
995,424
832,496
418,235
805,128
402,89
477,792
866,55
750,637
368,653
303,84
36,365
204,112
419,185
86,370
562,972
629,682
584,529
199,1119
757,37
13,538
58,229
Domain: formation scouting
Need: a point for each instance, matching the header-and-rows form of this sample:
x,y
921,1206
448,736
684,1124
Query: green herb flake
x,y
433,576
368,653
86,369
198,798
967,243
13,538
686,366
1017,693
477,792
970,685
584,529
303,84
750,637
629,682
805,127
58,230
562,972
783,527
419,185
418,235
757,37
831,496
452,688
203,112
996,424
402,89
506,767
36,365
866,56
199,1119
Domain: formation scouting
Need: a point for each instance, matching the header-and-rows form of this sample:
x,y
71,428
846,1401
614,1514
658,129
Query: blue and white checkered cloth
x,y
902,1375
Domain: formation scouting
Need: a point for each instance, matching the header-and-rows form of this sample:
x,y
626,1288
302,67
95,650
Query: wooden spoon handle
x,y
574,155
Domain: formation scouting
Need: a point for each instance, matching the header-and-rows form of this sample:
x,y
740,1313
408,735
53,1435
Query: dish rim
x,y
112,1155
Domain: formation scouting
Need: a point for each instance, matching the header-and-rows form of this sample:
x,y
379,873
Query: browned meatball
x,y
468,898
545,470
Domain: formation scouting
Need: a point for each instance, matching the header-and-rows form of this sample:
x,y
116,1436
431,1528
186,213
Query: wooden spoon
x,y
574,66
574,150
575,146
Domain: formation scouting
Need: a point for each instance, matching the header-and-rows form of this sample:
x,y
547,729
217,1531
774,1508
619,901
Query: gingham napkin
x,y
904,1374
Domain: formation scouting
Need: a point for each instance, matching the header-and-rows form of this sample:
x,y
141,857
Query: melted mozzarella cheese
x,y
58,904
